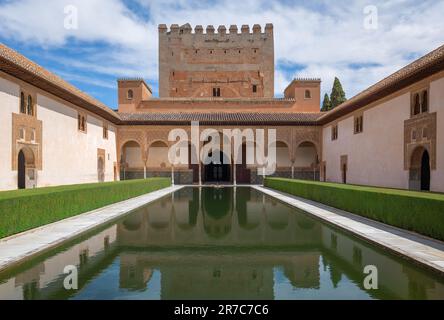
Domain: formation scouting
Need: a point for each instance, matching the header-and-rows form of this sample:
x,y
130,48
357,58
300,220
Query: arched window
x,y
425,102
130,94
307,94
30,106
417,106
22,103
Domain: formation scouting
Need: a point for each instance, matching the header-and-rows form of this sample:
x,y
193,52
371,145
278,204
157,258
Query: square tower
x,y
222,64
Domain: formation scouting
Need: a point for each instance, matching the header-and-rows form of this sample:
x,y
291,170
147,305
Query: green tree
x,y
326,105
337,96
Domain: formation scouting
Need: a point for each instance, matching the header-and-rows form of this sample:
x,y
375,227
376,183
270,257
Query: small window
x,y
416,108
413,135
216,92
424,133
105,131
30,106
22,133
22,103
32,135
211,51
425,101
307,94
334,132
225,51
81,122
254,88
130,94
359,124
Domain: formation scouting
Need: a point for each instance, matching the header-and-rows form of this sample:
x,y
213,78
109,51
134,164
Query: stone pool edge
x,y
29,244
419,249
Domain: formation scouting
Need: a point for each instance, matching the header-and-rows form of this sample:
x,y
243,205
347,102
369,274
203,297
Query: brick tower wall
x,y
238,63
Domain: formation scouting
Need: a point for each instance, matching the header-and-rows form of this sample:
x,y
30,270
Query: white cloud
x,y
325,36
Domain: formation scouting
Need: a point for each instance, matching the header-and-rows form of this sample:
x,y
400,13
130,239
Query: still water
x,y
219,243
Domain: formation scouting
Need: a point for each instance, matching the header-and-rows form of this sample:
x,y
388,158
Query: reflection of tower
x,y
303,271
217,281
133,274
421,287
30,282
218,211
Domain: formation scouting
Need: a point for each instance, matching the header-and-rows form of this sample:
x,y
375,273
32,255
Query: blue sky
x,y
118,38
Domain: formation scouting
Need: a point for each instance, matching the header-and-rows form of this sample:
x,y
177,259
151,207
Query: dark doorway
x,y
21,170
218,172
425,171
344,174
243,174
191,166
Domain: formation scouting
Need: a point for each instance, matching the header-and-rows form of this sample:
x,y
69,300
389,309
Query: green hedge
x,y
21,210
415,211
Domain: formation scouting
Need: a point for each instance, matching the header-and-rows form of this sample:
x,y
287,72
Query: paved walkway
x,y
28,244
420,249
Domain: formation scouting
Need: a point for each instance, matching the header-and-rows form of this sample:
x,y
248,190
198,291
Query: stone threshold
x,y
419,249
21,247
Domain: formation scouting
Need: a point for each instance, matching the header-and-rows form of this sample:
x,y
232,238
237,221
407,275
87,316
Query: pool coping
x,y
19,248
417,248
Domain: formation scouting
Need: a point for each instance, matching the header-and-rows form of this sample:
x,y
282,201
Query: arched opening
x,y
425,171
218,172
282,155
131,162
306,162
26,169
158,156
420,170
21,170
101,169
130,94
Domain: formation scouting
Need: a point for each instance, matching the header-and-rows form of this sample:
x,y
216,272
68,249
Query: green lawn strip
x,y
22,210
421,212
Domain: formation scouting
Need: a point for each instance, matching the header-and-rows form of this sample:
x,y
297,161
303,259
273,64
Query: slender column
x,y
144,171
172,175
292,170
200,174
235,174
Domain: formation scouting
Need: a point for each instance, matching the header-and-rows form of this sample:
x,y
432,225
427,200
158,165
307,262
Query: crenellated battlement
x,y
222,30
307,79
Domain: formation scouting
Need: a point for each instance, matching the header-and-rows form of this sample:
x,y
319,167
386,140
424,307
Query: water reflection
x,y
219,244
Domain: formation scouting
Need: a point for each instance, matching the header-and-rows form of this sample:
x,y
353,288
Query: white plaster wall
x,y
437,105
70,156
9,103
376,156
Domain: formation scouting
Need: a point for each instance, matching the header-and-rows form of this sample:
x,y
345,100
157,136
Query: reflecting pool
x,y
219,243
